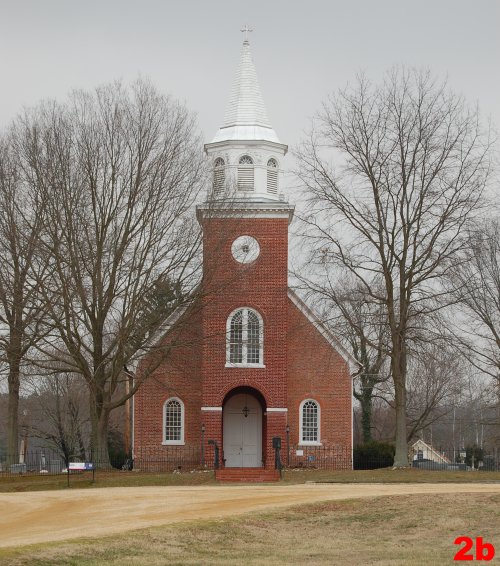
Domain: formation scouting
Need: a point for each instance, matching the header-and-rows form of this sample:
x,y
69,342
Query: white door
x,y
243,434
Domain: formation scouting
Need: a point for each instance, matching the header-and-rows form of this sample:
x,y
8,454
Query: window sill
x,y
310,444
231,365
173,443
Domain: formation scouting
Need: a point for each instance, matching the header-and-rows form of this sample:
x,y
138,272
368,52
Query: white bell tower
x,y
246,155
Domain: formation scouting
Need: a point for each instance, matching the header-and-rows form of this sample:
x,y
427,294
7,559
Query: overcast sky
x,y
302,50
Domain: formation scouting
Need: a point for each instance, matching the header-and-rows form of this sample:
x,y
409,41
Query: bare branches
x,y
22,268
475,283
413,164
435,378
119,170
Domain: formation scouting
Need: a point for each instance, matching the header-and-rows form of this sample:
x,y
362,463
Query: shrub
x,y
474,455
373,455
117,455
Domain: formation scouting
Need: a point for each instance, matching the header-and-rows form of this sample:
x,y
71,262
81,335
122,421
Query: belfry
x,y
252,362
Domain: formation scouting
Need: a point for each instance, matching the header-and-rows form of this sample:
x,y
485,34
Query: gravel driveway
x,y
43,516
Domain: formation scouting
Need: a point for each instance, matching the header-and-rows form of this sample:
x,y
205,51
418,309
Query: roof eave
x,y
257,142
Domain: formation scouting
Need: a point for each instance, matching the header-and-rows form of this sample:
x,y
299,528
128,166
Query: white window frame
x,y
301,419
244,364
166,442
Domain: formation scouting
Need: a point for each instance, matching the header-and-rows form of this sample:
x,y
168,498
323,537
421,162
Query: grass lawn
x,y
135,479
410,530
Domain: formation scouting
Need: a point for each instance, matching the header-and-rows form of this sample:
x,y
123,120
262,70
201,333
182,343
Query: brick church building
x,y
251,361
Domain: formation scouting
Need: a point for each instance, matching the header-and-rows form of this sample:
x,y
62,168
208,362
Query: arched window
x,y
173,421
272,176
245,173
219,175
245,331
309,422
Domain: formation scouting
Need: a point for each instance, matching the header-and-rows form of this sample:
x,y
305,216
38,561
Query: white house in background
x,y
423,451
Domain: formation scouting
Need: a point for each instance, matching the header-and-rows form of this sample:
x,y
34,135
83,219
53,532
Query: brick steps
x,y
247,475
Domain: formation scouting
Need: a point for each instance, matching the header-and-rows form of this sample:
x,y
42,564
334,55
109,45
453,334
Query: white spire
x,y
246,116
246,107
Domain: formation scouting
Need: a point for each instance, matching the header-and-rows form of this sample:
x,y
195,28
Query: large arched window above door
x,y
245,339
173,421
310,420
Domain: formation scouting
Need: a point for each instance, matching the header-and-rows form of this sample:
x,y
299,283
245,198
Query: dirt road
x,y
42,516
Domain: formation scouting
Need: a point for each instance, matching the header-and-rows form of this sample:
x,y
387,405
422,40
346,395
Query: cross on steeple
x,y
245,30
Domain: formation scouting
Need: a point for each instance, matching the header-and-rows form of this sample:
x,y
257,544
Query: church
x,y
250,362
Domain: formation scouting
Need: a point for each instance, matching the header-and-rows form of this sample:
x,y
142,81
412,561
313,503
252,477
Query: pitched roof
x,y
430,451
246,116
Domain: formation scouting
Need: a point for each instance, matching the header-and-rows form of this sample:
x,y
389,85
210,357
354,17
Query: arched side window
x,y
245,173
173,421
310,419
245,343
272,176
219,176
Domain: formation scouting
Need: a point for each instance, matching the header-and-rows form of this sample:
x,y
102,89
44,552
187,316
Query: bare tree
x,y
412,166
120,169
475,283
21,270
359,322
435,379
476,425
59,407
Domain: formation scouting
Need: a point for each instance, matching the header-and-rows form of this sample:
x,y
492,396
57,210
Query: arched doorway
x,y
242,422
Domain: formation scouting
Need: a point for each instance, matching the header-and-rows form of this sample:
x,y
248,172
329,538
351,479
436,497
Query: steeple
x,y
246,154
246,116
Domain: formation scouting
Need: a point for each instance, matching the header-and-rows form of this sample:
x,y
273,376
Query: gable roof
x,y
354,366
430,451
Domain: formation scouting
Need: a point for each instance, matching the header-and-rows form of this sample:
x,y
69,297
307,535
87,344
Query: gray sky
x,y
302,50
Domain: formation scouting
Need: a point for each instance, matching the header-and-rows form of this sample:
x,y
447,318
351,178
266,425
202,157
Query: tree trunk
x,y
13,414
99,420
401,456
366,411
102,433
80,445
398,364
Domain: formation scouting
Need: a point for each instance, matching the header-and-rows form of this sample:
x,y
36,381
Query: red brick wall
x,y
262,286
317,371
299,362
179,375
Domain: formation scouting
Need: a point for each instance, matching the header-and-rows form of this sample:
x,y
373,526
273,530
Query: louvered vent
x,y
219,176
272,176
245,174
